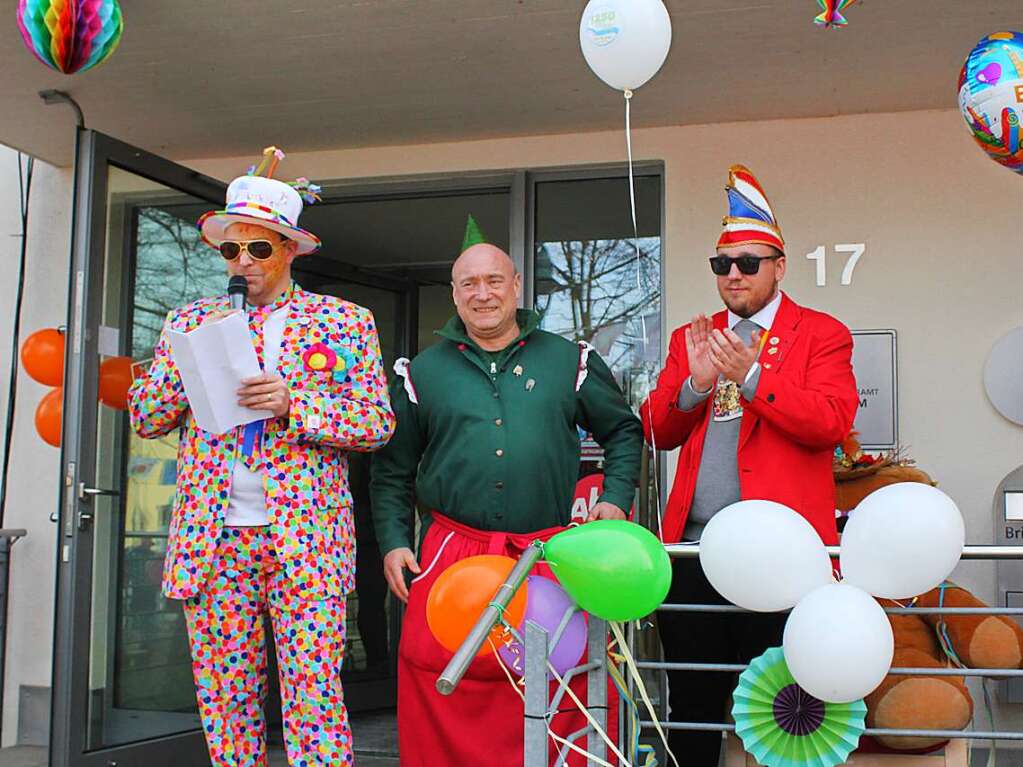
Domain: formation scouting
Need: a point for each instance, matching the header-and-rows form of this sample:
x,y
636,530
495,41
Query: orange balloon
x,y
49,414
462,592
42,356
114,382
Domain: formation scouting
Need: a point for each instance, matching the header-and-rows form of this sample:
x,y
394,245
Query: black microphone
x,y
237,291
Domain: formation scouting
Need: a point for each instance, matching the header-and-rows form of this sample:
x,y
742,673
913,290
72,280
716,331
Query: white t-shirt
x,y
247,505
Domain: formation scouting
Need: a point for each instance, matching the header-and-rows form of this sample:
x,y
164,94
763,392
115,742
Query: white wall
x,y
35,466
942,266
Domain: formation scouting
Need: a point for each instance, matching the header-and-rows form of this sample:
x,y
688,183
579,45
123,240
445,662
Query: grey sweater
x,y
717,483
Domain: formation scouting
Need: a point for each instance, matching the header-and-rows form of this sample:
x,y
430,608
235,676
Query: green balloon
x,y
613,569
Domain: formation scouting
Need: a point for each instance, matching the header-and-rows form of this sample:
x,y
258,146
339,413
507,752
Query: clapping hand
x,y
732,358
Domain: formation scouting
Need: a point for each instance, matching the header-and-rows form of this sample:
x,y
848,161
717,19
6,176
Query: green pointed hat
x,y
473,235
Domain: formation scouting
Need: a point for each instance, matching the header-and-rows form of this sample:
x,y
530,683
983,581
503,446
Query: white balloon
x,y
763,556
838,643
625,42
902,540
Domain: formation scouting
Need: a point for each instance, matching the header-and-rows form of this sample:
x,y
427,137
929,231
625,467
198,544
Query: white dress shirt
x,y
247,505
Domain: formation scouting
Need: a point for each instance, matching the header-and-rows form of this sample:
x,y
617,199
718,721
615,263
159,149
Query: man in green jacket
x,y
487,444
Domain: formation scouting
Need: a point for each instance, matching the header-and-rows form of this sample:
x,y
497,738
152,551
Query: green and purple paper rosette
x,y
782,725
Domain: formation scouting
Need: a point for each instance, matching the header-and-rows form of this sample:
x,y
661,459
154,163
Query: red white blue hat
x,y
261,199
750,220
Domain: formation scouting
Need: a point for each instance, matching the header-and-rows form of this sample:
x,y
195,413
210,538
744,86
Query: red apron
x,y
482,721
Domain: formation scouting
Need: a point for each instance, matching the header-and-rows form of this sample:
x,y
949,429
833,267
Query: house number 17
x,y
855,250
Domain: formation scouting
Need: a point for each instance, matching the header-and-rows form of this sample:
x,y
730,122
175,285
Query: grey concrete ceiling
x,y
204,78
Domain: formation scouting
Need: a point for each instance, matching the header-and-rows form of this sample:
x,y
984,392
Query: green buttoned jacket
x,y
493,439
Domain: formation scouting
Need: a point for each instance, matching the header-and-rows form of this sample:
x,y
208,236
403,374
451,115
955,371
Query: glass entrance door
x,y
123,691
369,672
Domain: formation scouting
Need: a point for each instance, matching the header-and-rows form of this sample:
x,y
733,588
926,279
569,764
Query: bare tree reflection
x,y
605,293
173,267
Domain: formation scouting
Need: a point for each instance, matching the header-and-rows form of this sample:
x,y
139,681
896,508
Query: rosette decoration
x,y
320,357
71,35
782,725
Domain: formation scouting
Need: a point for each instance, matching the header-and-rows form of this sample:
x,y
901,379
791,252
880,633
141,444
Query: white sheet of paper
x,y
212,360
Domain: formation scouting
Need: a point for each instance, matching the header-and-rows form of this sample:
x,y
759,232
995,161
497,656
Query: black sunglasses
x,y
260,250
722,265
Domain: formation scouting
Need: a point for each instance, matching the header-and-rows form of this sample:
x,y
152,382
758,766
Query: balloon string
x,y
992,756
632,196
504,668
637,679
642,319
646,753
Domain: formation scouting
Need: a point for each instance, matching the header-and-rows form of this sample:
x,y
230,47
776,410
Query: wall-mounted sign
x,y
874,362
587,490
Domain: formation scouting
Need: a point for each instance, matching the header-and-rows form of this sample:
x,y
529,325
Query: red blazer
x,y
804,406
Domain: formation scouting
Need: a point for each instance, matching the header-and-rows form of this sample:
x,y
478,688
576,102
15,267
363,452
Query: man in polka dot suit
x,y
262,518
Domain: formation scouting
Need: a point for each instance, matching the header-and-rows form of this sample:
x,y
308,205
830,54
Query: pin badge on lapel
x,y
517,370
530,384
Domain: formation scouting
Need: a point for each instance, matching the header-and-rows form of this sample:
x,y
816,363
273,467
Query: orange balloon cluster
x,y
462,592
42,357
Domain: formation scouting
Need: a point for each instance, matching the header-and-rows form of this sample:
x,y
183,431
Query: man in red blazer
x,y
757,397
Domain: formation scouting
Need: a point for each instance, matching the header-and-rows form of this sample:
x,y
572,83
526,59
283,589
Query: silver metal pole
x,y
459,663
534,747
968,734
683,550
698,608
596,685
740,667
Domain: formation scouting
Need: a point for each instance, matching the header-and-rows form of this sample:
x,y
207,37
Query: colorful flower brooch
x,y
320,357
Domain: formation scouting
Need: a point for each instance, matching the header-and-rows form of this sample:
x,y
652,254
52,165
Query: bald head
x,y
482,258
486,288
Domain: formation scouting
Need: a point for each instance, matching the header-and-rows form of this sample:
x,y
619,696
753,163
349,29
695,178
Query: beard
x,y
747,305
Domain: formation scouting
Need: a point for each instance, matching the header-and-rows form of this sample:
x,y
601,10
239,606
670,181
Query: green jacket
x,y
492,441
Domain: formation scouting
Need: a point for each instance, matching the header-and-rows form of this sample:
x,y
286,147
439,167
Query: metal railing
x,y
969,552
539,705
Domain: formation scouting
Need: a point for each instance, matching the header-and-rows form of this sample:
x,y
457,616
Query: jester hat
x,y
750,219
473,234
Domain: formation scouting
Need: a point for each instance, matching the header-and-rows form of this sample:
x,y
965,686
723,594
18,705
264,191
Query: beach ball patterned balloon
x,y
991,97
70,35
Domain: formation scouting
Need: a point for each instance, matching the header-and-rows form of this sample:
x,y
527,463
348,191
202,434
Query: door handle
x,y
91,492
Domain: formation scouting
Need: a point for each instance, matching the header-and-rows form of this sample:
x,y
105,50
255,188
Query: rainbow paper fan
x,y
70,35
831,15
782,725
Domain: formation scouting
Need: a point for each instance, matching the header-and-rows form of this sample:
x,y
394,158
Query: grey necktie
x,y
744,329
